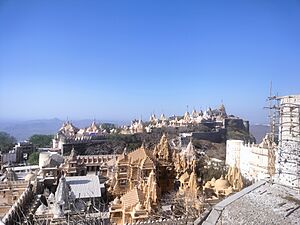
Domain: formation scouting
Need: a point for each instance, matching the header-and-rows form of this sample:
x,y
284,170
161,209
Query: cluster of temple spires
x,y
68,130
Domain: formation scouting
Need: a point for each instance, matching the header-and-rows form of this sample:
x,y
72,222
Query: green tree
x,y
6,141
41,140
33,158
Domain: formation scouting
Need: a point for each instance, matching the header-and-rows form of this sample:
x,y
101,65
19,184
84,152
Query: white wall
x,y
233,149
252,160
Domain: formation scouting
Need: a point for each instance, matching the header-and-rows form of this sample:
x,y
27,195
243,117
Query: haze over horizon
x,y
127,59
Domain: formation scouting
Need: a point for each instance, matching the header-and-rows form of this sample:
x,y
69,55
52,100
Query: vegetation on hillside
x,y
6,141
40,140
238,131
33,158
211,149
239,134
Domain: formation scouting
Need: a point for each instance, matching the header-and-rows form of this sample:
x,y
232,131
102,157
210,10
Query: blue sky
x,y
118,60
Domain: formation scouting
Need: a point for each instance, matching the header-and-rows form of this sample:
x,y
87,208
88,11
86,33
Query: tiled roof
x,y
138,154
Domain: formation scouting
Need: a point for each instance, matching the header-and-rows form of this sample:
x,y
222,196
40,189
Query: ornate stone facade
x,y
132,169
72,167
143,176
104,164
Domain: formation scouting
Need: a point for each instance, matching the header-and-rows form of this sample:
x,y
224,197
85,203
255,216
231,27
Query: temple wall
x,y
252,160
246,157
233,149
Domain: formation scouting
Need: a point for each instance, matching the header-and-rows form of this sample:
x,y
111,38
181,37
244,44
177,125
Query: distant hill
x,y
22,130
259,131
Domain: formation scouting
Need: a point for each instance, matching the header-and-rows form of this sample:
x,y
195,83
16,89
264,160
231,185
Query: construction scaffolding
x,y
272,136
274,109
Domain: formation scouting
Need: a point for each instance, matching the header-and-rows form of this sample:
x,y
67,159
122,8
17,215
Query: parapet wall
x,y
178,221
254,162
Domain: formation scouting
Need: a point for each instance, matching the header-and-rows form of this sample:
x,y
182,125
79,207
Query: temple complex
x,y
159,182
188,119
142,177
68,133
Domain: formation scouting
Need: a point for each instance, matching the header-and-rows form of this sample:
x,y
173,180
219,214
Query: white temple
x,y
69,132
193,118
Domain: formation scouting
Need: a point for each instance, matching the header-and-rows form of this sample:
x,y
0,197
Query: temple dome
x,y
207,185
222,183
30,177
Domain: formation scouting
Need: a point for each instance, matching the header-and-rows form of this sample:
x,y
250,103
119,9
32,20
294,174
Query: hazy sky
x,y
124,59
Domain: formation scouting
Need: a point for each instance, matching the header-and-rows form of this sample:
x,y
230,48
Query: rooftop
x,y
85,186
25,168
260,203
